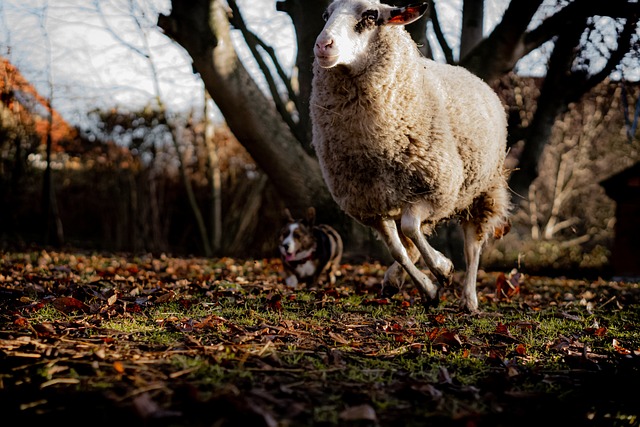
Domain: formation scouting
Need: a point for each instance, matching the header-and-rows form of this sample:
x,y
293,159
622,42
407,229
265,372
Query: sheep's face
x,y
351,24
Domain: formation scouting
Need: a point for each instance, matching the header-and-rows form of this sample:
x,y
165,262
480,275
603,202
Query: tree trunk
x,y
54,233
304,16
472,25
496,55
216,180
202,28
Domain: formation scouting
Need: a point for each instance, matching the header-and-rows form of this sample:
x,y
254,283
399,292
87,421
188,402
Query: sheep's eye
x,y
370,15
368,21
325,15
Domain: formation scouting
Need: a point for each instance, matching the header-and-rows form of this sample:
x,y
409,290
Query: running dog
x,y
310,253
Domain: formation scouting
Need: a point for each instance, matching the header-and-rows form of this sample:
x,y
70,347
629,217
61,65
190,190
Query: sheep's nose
x,y
324,44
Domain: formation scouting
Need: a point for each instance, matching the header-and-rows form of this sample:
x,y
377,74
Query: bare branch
x,y
505,45
578,11
252,41
553,229
115,34
624,45
575,242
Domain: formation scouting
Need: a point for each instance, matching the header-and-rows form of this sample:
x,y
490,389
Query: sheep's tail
x,y
500,231
490,211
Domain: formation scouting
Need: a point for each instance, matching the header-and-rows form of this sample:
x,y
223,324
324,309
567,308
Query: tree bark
x,y
216,180
498,54
307,24
472,25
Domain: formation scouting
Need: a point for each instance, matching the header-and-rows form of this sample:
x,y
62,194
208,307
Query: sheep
x,y
405,143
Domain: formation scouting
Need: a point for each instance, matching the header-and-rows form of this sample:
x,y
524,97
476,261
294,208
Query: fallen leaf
x,y
360,412
274,301
119,367
508,286
22,322
44,328
619,348
521,350
444,337
112,299
502,329
169,296
69,305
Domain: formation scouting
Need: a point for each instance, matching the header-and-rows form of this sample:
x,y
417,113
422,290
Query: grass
x,y
193,342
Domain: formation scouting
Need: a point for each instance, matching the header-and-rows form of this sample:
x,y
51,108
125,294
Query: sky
x,y
95,59
92,50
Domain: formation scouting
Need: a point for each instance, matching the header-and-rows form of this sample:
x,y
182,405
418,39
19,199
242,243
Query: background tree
x,y
53,228
18,140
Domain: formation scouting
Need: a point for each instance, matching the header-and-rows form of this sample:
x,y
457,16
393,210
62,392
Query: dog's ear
x,y
311,216
286,214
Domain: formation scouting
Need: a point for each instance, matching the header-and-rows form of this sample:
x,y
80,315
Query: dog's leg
x,y
291,281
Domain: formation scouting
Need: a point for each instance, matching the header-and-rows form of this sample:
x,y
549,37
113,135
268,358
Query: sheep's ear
x,y
406,15
286,214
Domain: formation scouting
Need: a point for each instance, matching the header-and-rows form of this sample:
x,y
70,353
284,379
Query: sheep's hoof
x,y
389,291
470,311
431,303
445,280
467,308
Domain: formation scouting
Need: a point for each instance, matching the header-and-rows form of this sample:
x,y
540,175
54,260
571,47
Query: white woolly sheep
x,y
405,143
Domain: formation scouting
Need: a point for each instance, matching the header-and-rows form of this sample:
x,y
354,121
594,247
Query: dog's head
x,y
296,241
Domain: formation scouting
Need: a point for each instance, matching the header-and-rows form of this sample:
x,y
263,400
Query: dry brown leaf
x,y
360,412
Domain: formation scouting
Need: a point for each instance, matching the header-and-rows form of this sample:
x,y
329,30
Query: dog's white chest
x,y
306,269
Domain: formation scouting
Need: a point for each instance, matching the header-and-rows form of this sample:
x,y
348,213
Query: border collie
x,y
310,253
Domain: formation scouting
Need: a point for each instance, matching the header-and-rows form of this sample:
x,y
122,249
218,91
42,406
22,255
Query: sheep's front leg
x,y
412,218
389,232
472,248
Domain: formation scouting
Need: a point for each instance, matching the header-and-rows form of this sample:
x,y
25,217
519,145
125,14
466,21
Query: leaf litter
x,y
105,339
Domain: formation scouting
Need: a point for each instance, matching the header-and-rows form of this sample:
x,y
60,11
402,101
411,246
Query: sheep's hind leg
x,y
389,232
473,241
412,219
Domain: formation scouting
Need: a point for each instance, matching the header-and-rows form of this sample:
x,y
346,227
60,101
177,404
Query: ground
x,y
161,341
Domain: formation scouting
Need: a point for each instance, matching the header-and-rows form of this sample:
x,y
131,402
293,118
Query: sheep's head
x,y
350,26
